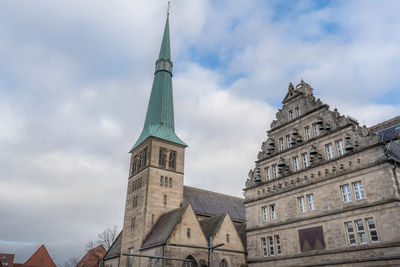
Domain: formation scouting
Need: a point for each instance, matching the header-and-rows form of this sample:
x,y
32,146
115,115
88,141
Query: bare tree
x,y
71,262
107,237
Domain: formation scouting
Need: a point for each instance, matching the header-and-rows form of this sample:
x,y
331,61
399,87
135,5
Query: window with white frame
x,y
267,174
373,235
329,151
288,141
311,202
357,231
358,190
296,165
307,132
290,114
339,147
275,171
282,143
273,211
354,189
297,111
316,129
346,193
271,246
264,246
304,157
302,204
265,213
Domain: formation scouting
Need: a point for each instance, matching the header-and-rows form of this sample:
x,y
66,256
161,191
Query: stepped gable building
x,y
324,190
163,217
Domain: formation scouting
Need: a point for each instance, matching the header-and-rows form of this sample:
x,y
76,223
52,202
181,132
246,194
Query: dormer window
x,y
290,114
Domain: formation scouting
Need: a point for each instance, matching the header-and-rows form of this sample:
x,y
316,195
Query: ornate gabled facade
x,y
164,218
324,190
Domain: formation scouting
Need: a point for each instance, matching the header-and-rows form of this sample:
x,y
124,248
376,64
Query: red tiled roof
x,y
40,258
92,257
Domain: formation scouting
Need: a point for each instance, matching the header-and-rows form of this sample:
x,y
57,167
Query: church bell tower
x,y
155,183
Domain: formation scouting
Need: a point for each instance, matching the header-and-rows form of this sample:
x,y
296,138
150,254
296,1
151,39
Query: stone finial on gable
x,y
304,88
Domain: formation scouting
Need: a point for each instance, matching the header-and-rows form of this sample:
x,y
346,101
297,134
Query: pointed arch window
x,y
172,159
162,160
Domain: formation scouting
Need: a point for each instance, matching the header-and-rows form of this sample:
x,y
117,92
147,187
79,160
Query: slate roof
x,y
209,203
393,151
241,230
92,257
40,258
387,130
163,227
211,225
115,248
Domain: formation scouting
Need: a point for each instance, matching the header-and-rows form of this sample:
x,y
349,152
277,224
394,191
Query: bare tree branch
x,y
71,261
107,237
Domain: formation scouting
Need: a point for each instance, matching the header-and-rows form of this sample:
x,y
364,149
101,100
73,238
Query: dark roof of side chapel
x,y
115,248
163,227
387,130
211,225
209,203
241,230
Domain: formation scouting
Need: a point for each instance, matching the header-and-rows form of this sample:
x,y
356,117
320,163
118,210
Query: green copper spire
x,y
160,111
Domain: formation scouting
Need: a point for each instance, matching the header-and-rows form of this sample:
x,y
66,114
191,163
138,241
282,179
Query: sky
x,y
75,79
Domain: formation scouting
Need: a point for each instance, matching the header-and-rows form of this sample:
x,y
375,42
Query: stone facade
x,y
323,191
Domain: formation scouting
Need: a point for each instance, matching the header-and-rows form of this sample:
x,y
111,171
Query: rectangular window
x,y
358,190
271,246
273,211
264,247
307,132
373,235
267,174
362,238
329,151
302,204
188,232
339,147
296,165
227,238
275,171
290,114
166,181
316,129
346,193
350,233
265,213
282,143
170,182
278,245
297,111
305,160
288,141
165,200
133,222
311,202
161,180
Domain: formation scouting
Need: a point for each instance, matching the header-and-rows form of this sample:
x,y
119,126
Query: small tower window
x,y
145,157
172,160
170,182
152,219
133,222
166,181
162,161
227,238
188,233
161,180
165,200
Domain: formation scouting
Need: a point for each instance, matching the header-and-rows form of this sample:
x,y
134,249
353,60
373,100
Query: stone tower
x,y
155,184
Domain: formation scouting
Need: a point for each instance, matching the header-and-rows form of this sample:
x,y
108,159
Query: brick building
x,y
325,190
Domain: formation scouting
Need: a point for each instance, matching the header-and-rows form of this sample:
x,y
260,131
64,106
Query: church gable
x,y
188,230
227,234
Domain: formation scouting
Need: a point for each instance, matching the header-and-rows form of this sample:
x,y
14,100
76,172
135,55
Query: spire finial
x,y
168,7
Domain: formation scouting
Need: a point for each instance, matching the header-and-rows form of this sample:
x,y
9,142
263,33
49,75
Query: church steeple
x,y
160,111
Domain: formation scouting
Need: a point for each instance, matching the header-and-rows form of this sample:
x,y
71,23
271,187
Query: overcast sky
x,y
75,78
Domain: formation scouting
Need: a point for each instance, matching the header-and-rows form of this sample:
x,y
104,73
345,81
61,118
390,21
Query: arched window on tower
x,y
172,160
191,263
223,263
162,160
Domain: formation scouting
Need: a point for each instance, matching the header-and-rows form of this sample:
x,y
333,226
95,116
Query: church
x,y
324,191
167,223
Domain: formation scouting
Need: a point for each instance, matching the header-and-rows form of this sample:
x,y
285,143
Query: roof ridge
x,y
384,122
216,193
